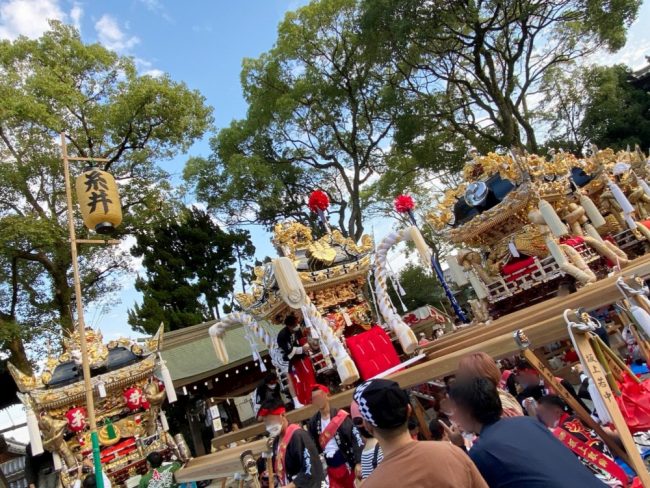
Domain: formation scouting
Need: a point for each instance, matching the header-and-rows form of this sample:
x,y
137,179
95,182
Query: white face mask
x,y
273,386
274,429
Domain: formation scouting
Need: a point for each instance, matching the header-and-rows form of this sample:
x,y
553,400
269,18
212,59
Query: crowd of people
x,y
493,427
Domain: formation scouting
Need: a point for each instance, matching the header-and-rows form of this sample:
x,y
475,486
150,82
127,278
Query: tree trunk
x,y
18,356
241,270
63,300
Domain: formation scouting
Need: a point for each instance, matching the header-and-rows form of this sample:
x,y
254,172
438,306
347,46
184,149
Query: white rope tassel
x,y
620,198
457,272
308,323
403,332
642,317
167,381
292,290
593,214
345,367
33,429
163,421
592,232
420,245
56,460
253,330
553,221
643,184
639,313
599,403
556,251
216,332
477,285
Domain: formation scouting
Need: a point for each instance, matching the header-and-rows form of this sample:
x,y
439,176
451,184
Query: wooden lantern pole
x,y
81,326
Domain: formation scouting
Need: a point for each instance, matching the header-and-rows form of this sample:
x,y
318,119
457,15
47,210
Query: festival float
x,y
339,290
129,394
526,225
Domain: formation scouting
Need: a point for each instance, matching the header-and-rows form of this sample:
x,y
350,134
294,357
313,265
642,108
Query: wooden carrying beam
x,y
218,465
549,379
543,323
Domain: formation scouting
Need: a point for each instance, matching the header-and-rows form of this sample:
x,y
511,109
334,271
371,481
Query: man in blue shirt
x,y
517,451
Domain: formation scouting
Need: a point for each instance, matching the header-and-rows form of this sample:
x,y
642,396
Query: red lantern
x,y
134,398
318,200
76,419
404,204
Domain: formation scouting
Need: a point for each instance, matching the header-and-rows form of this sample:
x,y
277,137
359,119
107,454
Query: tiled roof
x,y
14,471
190,356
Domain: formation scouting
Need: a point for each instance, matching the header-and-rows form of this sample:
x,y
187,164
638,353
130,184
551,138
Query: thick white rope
x,y
389,313
252,331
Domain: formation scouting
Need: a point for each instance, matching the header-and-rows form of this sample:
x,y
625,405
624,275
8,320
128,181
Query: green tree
x,y
420,286
190,265
320,115
475,63
59,84
563,107
617,113
596,105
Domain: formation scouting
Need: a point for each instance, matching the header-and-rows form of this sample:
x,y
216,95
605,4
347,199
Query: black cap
x,y
382,403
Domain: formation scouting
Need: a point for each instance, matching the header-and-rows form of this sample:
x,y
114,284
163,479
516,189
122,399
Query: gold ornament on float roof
x,y
99,200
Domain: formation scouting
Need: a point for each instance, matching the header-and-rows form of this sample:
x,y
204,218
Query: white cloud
x,y
125,246
156,6
75,15
146,68
28,17
111,35
154,73
633,55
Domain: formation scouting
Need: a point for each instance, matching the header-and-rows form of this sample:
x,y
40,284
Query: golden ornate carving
x,y
25,382
155,397
291,236
322,252
53,430
352,261
105,440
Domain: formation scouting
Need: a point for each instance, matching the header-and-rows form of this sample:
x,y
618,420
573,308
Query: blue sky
x,y
201,43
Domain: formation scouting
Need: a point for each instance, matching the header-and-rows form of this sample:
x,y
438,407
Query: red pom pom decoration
x,y
404,203
318,200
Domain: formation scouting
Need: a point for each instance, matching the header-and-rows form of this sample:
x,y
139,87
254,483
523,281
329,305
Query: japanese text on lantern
x,y
78,419
96,185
